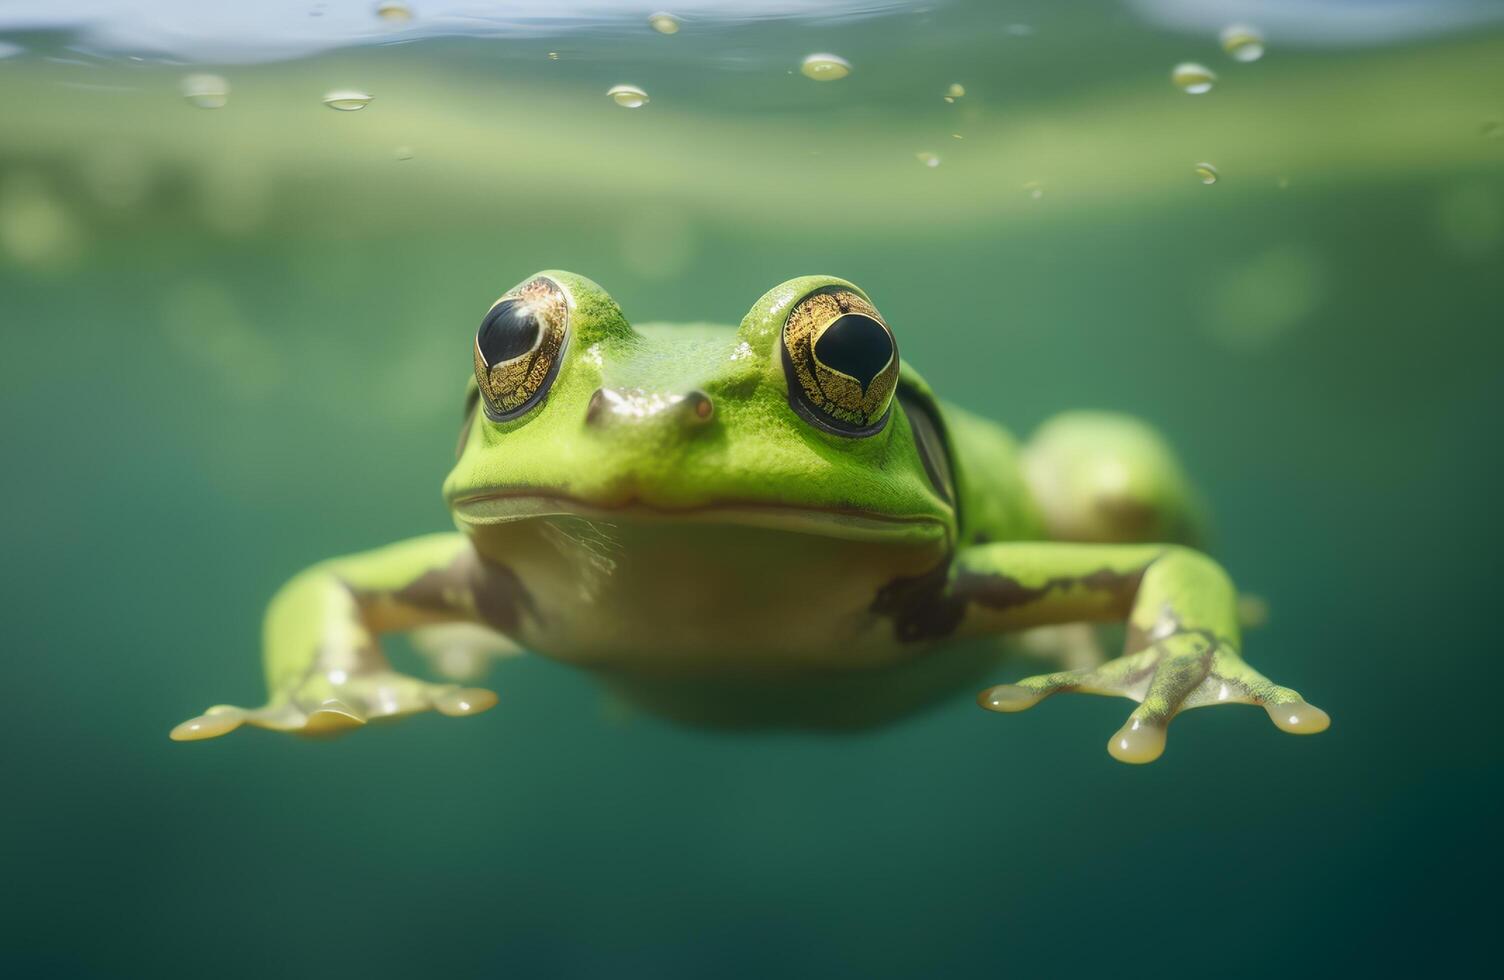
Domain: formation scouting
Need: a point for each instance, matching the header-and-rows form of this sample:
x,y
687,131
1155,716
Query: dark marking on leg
x,y
921,606
931,606
996,591
437,590
469,583
500,597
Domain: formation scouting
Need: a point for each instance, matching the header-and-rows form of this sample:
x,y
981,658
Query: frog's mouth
x,y
506,506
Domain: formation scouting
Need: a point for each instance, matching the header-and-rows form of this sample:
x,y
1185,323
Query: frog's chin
x,y
505,506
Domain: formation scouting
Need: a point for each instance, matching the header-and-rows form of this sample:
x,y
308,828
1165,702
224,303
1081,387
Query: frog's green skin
x,y
738,564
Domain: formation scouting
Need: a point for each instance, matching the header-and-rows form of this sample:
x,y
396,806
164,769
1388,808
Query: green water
x,y
234,341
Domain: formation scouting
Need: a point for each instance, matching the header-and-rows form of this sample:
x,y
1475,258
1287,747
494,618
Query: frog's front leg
x,y
1183,646
325,671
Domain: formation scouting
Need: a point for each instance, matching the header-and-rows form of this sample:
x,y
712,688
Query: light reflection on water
x,y
192,31
189,30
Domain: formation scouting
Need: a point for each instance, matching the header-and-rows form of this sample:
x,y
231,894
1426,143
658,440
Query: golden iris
x,y
842,361
518,347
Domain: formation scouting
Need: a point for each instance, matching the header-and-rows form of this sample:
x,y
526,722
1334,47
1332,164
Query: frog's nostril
x,y
598,408
698,408
611,406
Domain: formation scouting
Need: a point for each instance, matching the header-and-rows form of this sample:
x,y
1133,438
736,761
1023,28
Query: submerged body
x,y
774,523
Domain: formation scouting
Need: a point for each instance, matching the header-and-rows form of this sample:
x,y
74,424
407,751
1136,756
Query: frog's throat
x,y
505,506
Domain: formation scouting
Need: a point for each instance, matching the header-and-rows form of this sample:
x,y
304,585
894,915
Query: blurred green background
x,y
234,344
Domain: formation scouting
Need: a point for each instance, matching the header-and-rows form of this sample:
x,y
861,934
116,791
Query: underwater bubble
x,y
664,22
9,50
825,67
927,158
205,91
553,56
1242,42
394,12
1034,189
1207,173
347,100
403,152
628,96
956,91
1193,79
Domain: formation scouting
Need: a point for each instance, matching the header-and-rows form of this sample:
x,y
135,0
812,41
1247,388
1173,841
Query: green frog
x,y
770,524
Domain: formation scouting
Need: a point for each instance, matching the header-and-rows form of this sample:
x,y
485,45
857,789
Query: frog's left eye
x,y
518,348
841,362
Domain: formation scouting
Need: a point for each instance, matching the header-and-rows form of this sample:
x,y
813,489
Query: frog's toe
x,y
279,716
1298,717
460,701
462,651
1071,645
1009,698
1137,742
218,720
1125,676
388,695
1231,681
332,705
333,716
225,718
1187,670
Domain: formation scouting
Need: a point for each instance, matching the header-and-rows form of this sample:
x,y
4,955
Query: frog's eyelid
x,y
929,441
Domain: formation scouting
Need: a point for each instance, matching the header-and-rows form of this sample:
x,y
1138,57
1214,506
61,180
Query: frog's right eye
x,y
840,361
519,346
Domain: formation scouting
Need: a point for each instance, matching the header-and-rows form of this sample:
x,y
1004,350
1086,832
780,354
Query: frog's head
x,y
802,419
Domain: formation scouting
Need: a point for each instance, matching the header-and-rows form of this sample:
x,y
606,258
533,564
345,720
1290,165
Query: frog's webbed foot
x,y
336,700
462,651
1184,670
1073,646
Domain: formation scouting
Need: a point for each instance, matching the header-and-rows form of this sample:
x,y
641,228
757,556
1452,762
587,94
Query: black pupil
x,y
857,346
508,331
